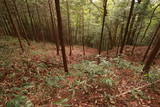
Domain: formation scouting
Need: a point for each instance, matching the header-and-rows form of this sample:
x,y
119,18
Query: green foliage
x,y
91,69
89,74
108,82
124,64
137,93
62,103
19,101
53,81
153,75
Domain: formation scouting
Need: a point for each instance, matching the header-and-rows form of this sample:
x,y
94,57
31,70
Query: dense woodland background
x,y
100,25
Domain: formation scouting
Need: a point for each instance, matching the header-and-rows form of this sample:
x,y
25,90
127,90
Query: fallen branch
x,y
138,88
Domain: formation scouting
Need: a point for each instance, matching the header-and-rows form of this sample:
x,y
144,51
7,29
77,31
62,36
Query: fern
x,y
19,101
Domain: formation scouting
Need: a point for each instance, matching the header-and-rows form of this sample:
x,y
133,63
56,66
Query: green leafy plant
x,y
107,81
153,75
124,64
19,101
137,93
53,81
62,103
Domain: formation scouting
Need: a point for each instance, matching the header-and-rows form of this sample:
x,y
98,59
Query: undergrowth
x,y
32,78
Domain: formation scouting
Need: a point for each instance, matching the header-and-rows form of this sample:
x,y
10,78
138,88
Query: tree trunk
x,y
60,32
103,23
150,21
14,26
152,56
127,26
20,23
83,30
53,27
69,28
120,39
153,38
30,18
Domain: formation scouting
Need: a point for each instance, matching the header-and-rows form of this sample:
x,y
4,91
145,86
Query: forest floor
x,y
36,77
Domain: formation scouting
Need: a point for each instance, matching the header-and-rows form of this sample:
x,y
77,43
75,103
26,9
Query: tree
x,y
16,31
152,56
103,23
152,39
53,27
150,21
69,28
127,26
60,32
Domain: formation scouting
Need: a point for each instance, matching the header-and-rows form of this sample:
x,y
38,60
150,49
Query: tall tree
x,y
103,23
152,39
20,22
53,27
127,26
69,27
60,32
152,56
31,21
150,21
16,31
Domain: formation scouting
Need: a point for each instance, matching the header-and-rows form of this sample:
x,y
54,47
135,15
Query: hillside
x,y
36,78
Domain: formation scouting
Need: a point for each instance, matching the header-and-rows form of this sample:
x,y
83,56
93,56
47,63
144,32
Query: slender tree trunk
x,y
150,21
120,39
14,26
31,21
60,32
152,56
136,39
7,28
39,23
3,27
129,36
53,27
76,32
20,23
127,26
83,30
153,38
69,28
103,23
115,33
111,42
